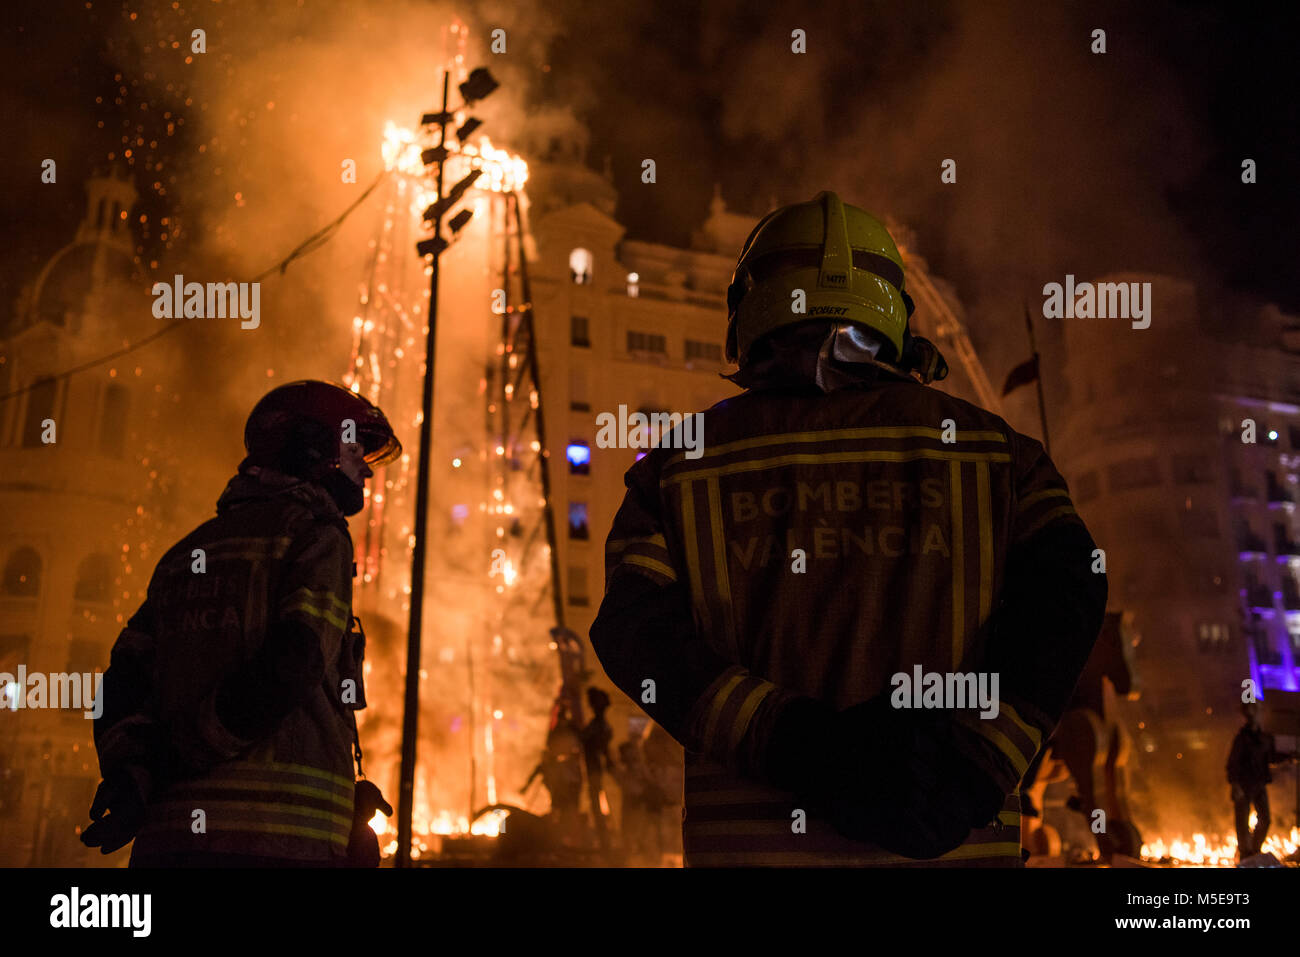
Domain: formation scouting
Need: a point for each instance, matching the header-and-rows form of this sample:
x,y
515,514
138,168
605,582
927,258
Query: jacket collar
x,y
255,483
819,357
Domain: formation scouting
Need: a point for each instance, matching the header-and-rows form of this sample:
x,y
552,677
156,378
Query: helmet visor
x,y
382,447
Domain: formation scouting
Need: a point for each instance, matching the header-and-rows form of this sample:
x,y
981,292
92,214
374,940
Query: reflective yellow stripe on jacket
x,y
266,809
321,605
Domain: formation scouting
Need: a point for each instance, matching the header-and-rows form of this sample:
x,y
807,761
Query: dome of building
x,y
77,280
73,272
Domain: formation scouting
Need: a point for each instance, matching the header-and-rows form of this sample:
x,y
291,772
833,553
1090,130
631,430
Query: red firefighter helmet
x,y
298,427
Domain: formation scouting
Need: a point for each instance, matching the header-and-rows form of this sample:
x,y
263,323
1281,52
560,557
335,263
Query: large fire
x,y
1199,852
503,171
385,365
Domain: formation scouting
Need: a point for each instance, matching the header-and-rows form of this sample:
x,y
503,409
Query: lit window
x,y
579,456
578,520
633,287
580,267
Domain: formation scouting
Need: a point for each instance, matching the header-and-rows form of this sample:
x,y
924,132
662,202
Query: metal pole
x,y
1038,381
527,308
410,719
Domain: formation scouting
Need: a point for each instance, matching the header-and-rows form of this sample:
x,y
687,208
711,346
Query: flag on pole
x,y
1022,374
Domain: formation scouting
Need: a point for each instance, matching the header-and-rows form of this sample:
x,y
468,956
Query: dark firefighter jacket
x,y
823,543
278,564
1252,752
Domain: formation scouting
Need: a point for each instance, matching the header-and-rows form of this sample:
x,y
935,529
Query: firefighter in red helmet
x,y
228,729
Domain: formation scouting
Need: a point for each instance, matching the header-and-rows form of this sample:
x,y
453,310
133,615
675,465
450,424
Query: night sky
x,y
1067,161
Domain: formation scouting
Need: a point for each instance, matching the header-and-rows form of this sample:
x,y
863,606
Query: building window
x,y
85,656
1258,595
646,342
1293,631
1212,636
40,406
578,585
94,579
1290,592
1238,487
633,285
1133,473
13,652
578,390
1274,491
708,351
1088,487
579,456
579,332
1265,653
581,266
578,520
23,573
112,427
1192,469
1282,544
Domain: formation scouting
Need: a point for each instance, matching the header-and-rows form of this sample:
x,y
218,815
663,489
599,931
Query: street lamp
x,y
479,84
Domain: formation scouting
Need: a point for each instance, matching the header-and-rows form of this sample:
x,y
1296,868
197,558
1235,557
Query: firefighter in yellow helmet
x,y
228,728
812,598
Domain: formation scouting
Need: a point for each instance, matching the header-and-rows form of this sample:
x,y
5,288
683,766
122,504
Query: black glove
x,y
121,796
363,845
893,777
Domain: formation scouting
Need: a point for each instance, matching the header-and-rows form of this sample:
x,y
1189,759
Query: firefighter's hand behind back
x,y
892,778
